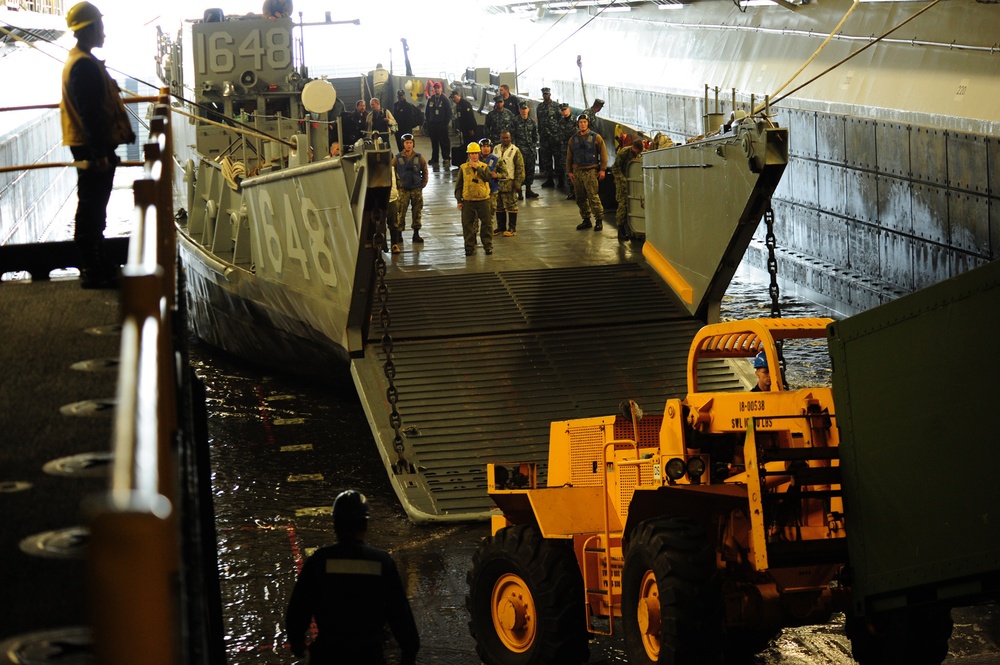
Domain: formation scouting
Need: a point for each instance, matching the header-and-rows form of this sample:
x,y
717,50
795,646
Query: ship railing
x,y
133,552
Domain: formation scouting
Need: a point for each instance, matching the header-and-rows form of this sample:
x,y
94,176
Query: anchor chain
x,y
772,268
772,261
389,366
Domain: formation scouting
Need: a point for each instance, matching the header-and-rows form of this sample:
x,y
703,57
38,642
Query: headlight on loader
x,y
696,469
676,469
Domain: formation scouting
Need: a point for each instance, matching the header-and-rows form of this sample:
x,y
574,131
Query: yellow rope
x,y
233,172
83,164
821,47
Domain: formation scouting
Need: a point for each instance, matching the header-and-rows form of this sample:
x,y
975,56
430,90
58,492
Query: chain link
x,y
772,262
389,367
772,268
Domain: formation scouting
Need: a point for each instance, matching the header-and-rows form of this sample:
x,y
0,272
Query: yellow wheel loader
x,y
697,534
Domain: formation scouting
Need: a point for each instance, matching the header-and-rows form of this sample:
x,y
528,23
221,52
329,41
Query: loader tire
x,y
526,600
906,637
671,597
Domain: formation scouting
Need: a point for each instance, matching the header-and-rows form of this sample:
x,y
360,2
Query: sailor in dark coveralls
x,y
351,590
94,123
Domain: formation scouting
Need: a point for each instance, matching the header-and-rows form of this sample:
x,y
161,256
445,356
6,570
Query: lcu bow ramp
x,y
484,354
484,381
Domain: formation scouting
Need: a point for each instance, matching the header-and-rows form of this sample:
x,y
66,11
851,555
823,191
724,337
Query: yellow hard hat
x,y
473,147
81,15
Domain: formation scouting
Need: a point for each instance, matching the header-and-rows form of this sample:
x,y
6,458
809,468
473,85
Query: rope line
x,y
859,51
821,47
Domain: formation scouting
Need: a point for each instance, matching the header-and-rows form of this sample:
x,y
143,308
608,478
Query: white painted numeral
x,y
318,243
271,243
296,252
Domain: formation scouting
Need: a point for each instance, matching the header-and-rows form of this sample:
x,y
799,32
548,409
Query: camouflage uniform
x,y
525,137
550,143
586,158
567,130
623,158
510,168
411,177
498,121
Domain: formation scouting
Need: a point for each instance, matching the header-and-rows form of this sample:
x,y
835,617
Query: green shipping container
x,y
915,384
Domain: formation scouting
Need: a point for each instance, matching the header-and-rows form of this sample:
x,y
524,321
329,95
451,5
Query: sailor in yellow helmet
x,y
94,123
473,193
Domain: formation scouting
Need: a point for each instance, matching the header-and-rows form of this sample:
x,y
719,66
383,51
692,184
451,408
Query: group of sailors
x,y
499,162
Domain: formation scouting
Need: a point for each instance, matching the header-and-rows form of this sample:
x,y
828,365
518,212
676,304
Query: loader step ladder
x,y
593,552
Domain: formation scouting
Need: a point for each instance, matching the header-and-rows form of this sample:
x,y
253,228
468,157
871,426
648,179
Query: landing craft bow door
x,y
704,201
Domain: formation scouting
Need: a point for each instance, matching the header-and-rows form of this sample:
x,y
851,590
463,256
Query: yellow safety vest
x,y
120,128
475,187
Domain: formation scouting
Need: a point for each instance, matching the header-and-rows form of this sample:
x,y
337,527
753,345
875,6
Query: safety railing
x,y
133,555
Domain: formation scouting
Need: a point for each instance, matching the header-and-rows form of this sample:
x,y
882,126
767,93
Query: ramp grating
x,y
484,362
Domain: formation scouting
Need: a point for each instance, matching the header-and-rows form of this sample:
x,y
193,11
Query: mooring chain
x,y
772,261
772,268
389,367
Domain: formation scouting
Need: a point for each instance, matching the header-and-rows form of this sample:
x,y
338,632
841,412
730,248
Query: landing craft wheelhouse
x,y
277,247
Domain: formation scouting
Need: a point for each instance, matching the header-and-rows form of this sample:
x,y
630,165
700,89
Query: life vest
x,y
411,175
491,162
119,127
474,186
584,150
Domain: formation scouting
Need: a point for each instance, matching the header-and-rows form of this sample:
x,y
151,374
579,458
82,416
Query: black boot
x,y
548,183
501,223
416,237
528,194
599,225
511,225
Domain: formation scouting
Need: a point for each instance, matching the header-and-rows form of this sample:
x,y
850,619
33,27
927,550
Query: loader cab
x,y
721,405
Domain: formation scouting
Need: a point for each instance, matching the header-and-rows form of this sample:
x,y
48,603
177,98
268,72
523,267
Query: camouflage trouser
x,y
587,198
476,219
552,158
406,197
621,195
493,203
507,201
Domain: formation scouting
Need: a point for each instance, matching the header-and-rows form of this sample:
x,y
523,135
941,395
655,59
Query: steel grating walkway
x,y
486,360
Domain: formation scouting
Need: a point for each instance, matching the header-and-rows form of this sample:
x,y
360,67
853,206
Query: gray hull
x,y
279,271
